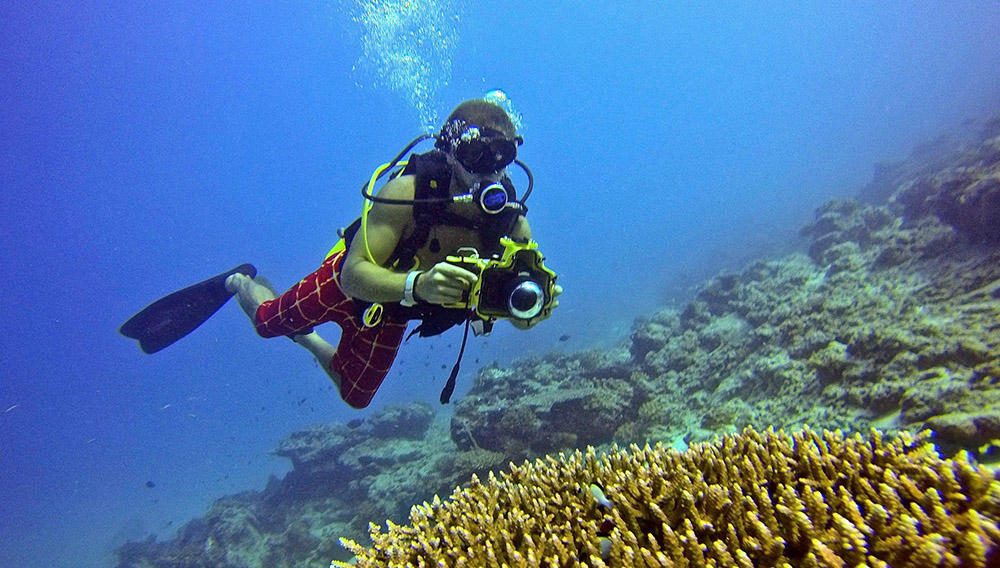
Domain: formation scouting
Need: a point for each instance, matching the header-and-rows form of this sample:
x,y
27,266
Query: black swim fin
x,y
172,317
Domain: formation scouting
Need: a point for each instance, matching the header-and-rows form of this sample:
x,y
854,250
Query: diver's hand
x,y
444,283
522,324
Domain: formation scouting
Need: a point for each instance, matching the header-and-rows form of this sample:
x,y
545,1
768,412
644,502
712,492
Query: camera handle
x,y
468,252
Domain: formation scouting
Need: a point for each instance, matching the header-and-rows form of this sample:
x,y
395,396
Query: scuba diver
x,y
444,241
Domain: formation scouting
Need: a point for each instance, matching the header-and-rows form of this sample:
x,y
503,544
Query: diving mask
x,y
486,155
479,150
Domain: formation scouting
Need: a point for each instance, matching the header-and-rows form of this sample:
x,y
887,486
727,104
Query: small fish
x,y
150,484
91,441
598,492
355,422
9,408
605,548
988,452
165,406
564,337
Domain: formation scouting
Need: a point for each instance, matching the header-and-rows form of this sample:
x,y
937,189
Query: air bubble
x,y
500,98
408,45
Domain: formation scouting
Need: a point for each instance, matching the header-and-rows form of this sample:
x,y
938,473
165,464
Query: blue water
x,y
146,146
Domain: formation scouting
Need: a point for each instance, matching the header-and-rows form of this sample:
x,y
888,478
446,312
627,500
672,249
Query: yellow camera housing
x,y
514,284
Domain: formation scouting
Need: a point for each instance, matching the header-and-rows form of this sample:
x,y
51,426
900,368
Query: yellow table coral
x,y
751,500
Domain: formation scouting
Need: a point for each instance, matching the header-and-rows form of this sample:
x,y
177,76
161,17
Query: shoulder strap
x,y
347,234
433,179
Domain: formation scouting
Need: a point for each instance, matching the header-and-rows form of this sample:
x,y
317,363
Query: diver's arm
x,y
363,276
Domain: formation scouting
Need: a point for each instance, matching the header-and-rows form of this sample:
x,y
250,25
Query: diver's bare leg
x,y
322,350
250,294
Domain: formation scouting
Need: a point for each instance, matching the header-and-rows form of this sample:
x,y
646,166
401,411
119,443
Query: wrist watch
x,y
411,280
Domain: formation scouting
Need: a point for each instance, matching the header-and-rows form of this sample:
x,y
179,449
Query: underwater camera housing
x,y
514,284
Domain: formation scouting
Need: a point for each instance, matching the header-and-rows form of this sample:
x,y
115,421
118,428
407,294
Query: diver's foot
x,y
236,282
249,293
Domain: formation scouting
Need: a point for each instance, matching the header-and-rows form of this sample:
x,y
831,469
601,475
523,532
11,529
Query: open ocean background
x,y
146,146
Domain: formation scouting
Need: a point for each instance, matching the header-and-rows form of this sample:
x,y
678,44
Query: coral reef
x,y
539,406
893,317
769,499
889,317
341,479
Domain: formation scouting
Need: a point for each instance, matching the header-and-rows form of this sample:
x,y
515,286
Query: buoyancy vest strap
x,y
346,236
433,179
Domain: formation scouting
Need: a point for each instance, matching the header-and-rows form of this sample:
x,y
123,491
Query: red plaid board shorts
x,y
364,354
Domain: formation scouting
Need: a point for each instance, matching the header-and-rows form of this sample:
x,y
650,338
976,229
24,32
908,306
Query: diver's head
x,y
480,137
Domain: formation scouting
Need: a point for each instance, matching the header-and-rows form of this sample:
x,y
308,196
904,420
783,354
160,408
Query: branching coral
x,y
750,500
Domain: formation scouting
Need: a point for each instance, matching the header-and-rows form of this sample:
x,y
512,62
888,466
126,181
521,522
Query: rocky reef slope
x,y
890,317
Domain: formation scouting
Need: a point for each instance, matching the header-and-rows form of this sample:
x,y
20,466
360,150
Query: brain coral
x,y
749,500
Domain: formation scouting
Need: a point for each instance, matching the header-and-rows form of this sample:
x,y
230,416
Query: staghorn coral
x,y
754,499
